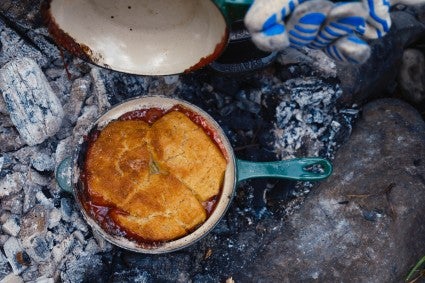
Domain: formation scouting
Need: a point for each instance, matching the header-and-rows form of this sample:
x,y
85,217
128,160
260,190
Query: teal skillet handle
x,y
63,175
233,10
293,169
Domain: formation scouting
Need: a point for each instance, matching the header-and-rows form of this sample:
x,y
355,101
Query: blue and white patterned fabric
x,y
306,21
336,28
378,20
349,49
344,19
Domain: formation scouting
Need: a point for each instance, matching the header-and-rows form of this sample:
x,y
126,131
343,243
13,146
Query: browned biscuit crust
x,y
188,153
155,179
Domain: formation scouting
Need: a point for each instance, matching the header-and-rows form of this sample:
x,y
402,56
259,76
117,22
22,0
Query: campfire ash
x,y
268,115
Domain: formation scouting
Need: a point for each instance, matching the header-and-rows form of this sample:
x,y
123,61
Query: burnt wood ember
x,y
34,108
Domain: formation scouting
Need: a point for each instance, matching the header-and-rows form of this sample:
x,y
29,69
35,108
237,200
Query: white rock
x,y
31,273
92,247
78,222
25,154
54,217
13,250
66,209
3,109
80,237
75,267
42,199
11,184
13,46
30,192
60,234
79,92
62,249
104,245
34,222
78,249
13,203
12,226
48,268
44,279
4,216
5,268
3,239
43,161
12,278
99,90
64,149
34,109
1,162
61,86
84,122
35,178
37,248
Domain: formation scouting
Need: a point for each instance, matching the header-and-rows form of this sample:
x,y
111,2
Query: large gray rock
x,y
378,75
33,107
412,75
365,223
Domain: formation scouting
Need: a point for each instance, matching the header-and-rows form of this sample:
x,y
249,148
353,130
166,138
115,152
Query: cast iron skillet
x,y
69,174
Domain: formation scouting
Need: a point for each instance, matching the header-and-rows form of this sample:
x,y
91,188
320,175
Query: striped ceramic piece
x,y
265,21
349,49
379,19
342,20
320,24
306,21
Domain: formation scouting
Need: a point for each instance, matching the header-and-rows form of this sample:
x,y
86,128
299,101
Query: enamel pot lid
x,y
148,37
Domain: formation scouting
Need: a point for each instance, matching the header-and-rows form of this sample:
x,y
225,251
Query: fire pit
x,y
265,118
289,109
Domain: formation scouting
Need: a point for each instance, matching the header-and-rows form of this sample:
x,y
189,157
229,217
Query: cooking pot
x,y
69,173
148,37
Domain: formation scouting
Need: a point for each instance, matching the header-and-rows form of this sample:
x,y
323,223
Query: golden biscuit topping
x,y
154,178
